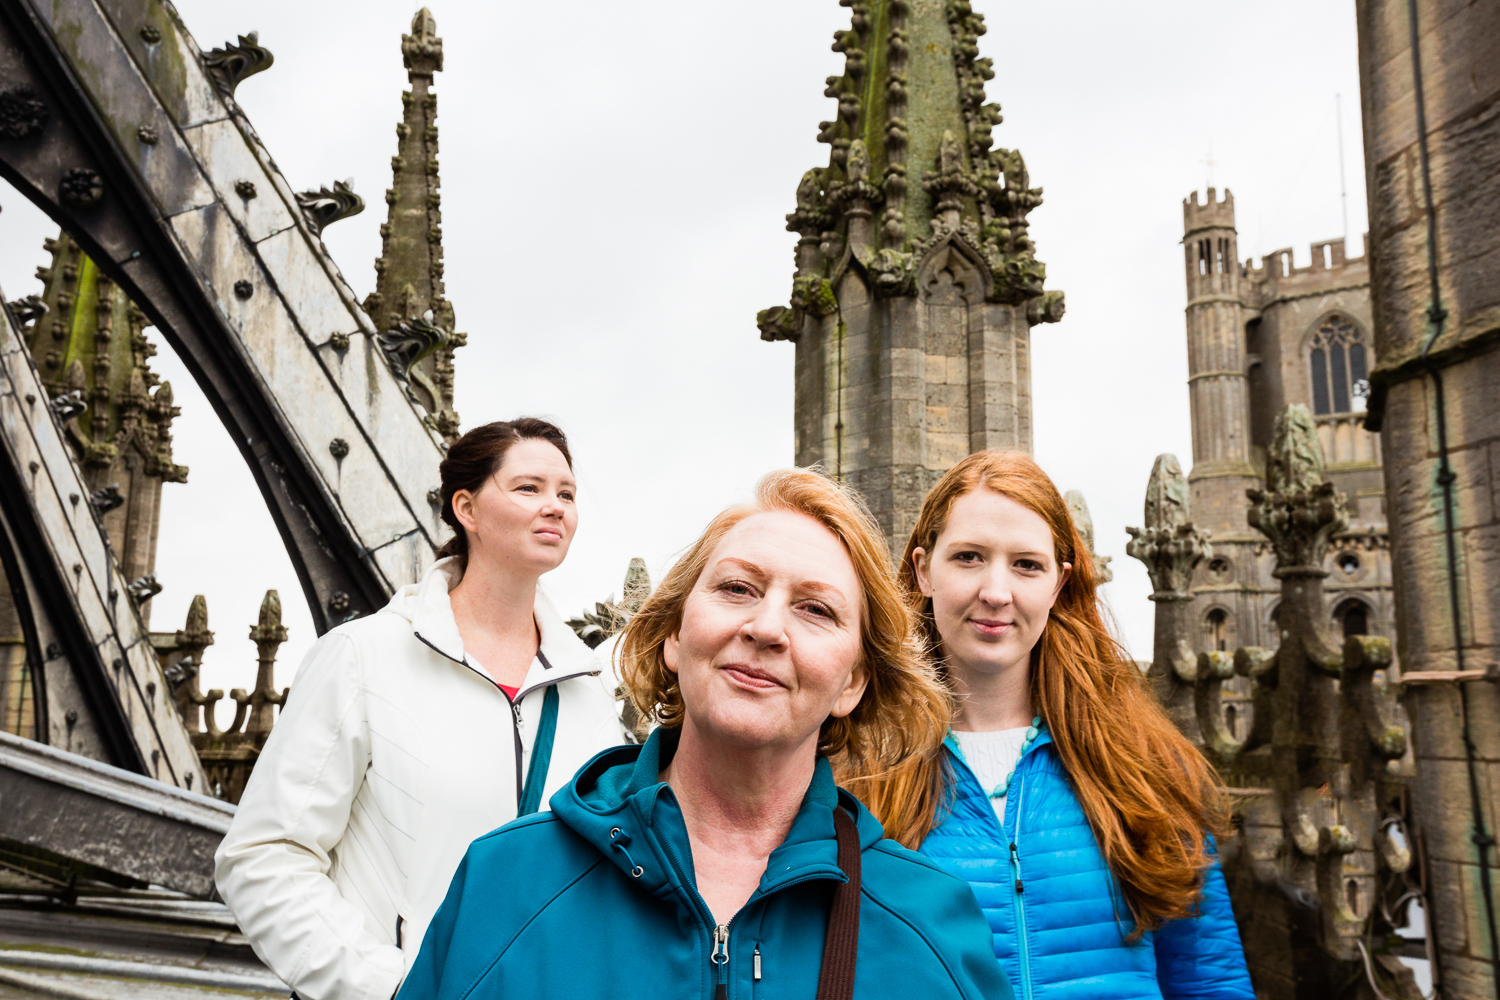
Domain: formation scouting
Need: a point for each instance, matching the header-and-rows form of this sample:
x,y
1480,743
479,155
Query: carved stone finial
x,y
950,183
1078,507
422,50
27,310
322,208
107,498
147,587
1299,510
68,405
269,628
408,342
1169,544
231,65
637,586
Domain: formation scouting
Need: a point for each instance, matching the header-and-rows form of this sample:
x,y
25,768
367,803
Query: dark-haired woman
x,y
465,702
1064,796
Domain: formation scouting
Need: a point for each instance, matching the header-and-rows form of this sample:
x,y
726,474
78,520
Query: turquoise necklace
x,y
1032,732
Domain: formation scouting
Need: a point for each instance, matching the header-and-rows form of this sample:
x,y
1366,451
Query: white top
x,y
992,757
393,753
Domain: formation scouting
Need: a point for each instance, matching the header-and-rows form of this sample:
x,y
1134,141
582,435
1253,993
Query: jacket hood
x,y
618,803
427,606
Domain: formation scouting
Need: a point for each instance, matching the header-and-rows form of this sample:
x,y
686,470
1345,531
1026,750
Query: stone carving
x,y
1079,509
22,113
147,135
144,589
1319,771
409,270
1171,546
228,754
610,617
323,207
245,189
243,289
27,310
339,449
409,342
81,188
150,34
107,498
68,405
231,65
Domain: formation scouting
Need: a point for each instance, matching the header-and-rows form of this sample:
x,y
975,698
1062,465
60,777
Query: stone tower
x,y
1260,339
916,281
88,341
409,271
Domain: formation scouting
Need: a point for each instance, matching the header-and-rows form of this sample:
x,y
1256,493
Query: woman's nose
x,y
995,589
767,627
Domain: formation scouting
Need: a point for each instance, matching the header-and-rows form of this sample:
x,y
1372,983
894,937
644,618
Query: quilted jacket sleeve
x,y
1200,958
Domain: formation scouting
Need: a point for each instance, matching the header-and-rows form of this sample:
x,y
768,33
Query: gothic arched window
x,y
1339,365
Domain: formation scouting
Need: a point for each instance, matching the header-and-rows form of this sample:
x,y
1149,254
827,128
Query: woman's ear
x,y
854,690
1062,578
463,510
920,565
669,653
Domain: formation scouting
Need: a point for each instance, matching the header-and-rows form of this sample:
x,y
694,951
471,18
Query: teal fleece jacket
x,y
597,899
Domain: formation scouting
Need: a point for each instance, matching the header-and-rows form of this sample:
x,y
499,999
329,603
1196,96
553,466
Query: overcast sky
x,y
615,178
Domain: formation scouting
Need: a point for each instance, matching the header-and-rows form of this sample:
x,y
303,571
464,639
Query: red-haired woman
x,y
1064,795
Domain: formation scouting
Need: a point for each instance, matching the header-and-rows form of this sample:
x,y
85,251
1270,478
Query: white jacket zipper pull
x,y
757,963
515,708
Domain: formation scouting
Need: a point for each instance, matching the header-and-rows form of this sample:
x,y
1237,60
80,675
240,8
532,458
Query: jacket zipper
x,y
515,703
1020,889
719,936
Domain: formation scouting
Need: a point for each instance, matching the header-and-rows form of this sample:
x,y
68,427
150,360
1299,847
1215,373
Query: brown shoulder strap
x,y
841,946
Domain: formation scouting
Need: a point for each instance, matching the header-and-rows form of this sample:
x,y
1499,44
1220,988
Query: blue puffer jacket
x,y
1058,936
597,898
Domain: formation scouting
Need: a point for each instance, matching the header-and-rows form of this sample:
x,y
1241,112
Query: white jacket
x,y
391,756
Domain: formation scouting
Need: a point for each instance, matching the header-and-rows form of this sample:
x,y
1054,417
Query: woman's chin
x,y
746,728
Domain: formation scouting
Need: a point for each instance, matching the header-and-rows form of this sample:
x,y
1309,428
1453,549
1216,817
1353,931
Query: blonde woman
x,y
719,859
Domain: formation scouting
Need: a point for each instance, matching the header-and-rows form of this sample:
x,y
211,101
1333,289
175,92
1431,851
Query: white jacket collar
x,y
427,606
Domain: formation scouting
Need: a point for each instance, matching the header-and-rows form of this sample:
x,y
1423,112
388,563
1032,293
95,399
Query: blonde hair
x,y
1148,793
905,707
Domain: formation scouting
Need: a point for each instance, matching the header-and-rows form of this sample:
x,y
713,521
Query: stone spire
x,y
917,282
409,271
91,341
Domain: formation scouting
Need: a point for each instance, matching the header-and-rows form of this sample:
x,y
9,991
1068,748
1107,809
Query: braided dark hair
x,y
477,456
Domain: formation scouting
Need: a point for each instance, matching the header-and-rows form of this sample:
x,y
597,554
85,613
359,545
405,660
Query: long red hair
x,y
1149,795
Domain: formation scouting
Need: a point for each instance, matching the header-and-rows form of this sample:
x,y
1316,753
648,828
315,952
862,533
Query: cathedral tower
x,y
916,280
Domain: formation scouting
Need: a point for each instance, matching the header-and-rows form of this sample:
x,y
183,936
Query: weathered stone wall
x,y
1460,81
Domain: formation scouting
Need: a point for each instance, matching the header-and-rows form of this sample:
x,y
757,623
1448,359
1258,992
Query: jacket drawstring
x,y
618,838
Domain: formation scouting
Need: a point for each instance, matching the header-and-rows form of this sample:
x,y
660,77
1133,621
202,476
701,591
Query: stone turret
x,y
917,283
92,341
409,271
